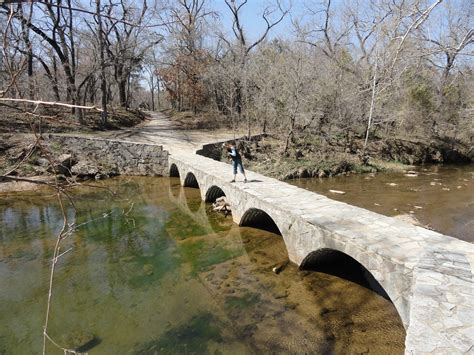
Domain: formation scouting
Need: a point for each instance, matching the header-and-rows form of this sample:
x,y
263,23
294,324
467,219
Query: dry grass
x,y
203,120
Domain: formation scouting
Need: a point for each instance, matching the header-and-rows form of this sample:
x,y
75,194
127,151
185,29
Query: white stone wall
x,y
112,156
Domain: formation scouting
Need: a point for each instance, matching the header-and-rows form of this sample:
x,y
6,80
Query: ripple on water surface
x,y
153,270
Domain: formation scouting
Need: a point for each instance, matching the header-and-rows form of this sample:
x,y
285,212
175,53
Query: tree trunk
x,y
29,54
103,79
372,104
122,86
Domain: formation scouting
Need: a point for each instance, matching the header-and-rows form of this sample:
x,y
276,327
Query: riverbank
x,y
317,158
70,159
27,162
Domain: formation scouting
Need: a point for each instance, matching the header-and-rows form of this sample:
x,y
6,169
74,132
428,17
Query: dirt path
x,y
161,130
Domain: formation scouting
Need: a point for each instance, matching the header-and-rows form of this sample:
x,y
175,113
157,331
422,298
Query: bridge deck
x,y
427,275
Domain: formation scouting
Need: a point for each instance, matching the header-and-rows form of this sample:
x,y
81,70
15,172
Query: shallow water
x,y
441,197
154,271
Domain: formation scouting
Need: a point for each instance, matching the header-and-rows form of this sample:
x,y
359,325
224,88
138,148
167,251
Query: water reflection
x,y
162,273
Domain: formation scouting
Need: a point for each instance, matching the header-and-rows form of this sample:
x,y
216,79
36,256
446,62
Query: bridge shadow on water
x,y
336,263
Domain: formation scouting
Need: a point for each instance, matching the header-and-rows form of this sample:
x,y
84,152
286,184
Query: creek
x,y
153,270
441,197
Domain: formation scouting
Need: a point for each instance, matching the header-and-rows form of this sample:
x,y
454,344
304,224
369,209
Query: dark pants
x,y
237,164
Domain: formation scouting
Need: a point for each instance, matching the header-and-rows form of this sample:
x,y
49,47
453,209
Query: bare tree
x,y
241,50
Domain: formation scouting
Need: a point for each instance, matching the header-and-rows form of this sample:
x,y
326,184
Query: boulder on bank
x,y
85,169
62,164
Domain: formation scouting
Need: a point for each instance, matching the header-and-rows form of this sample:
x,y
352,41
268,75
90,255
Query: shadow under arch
x,y
191,181
174,172
213,193
337,263
258,218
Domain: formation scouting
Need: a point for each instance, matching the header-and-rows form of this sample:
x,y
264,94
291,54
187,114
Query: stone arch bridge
x,y
428,276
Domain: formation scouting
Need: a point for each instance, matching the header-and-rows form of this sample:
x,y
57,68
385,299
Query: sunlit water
x,y
441,197
154,271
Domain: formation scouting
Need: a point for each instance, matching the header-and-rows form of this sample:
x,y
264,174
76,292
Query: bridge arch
x,y
190,180
174,171
213,193
338,263
260,219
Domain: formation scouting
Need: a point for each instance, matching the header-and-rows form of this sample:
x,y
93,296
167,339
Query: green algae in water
x,y
218,222
182,228
138,243
126,280
191,338
249,299
202,255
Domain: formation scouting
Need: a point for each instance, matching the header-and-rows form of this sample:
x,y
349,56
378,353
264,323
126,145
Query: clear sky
x,y
253,23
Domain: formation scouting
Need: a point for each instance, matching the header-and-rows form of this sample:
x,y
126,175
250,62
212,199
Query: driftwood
x,y
221,205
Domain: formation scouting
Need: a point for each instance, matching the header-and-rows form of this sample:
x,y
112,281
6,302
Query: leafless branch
x,y
49,103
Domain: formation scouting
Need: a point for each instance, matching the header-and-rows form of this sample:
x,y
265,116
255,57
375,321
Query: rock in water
x,y
281,294
279,268
148,269
337,192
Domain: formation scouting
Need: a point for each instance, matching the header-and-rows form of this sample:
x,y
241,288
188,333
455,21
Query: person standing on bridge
x,y
236,160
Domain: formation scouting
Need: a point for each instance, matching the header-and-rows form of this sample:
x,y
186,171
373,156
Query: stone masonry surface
x,y
428,276
112,157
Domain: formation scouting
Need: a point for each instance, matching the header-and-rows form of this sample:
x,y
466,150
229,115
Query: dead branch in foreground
x,y
50,103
